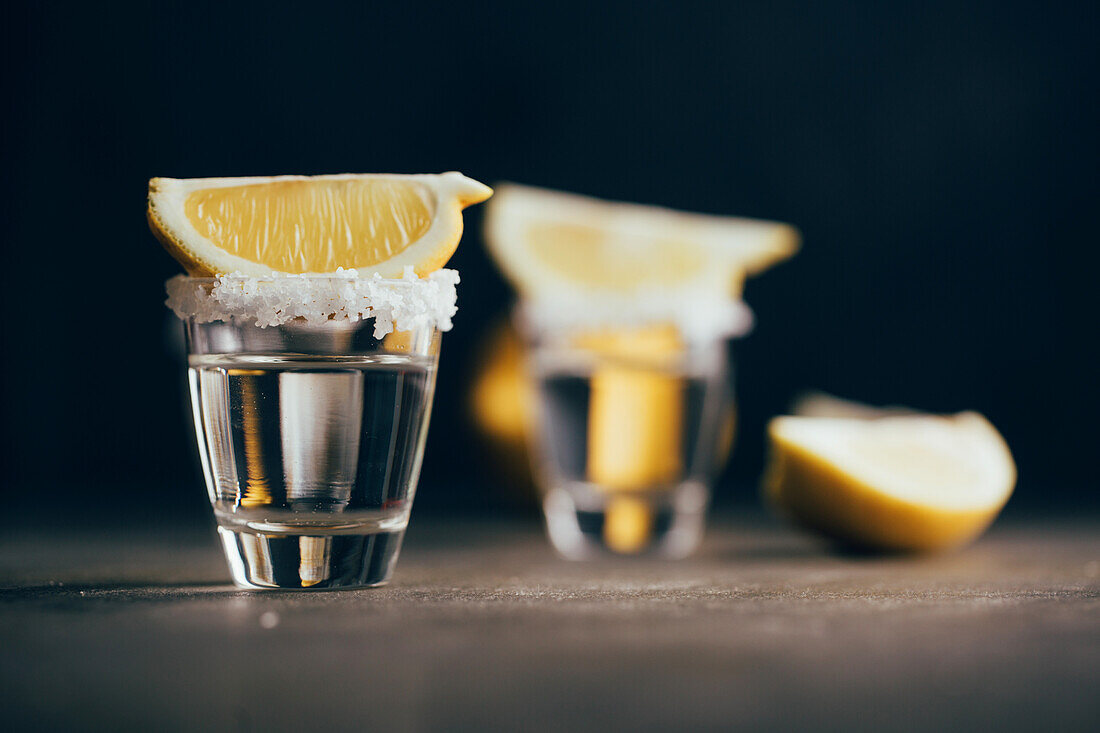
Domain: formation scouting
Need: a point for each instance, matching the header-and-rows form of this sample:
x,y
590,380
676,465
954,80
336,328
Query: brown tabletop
x,y
484,628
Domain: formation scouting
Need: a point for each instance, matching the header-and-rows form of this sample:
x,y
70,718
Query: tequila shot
x,y
632,424
311,399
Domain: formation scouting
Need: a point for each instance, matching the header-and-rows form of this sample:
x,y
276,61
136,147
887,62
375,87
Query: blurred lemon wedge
x,y
909,482
312,224
549,242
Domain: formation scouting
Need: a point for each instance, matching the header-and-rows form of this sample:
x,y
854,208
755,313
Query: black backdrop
x,y
939,157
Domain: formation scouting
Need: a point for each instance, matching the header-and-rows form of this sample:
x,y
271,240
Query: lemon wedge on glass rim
x,y
375,223
913,482
553,243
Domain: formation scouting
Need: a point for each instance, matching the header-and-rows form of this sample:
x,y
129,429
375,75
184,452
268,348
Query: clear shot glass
x,y
629,430
311,436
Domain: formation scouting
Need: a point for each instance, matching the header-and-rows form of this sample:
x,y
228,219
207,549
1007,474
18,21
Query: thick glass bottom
x,y
294,561
584,521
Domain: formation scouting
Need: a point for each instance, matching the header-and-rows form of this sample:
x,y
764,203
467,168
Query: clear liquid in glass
x,y
311,461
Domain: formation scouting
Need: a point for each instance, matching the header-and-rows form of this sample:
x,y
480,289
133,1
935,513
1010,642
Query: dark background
x,y
939,157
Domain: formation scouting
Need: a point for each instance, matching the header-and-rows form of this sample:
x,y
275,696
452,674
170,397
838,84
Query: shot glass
x,y
311,435
627,441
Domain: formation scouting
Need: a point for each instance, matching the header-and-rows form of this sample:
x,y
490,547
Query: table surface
x,y
483,628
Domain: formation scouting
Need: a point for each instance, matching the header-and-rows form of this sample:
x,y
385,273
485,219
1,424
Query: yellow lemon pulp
x,y
912,482
593,257
378,224
303,226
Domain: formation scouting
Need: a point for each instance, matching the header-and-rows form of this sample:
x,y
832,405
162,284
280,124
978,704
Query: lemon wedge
x,y
911,483
548,242
312,224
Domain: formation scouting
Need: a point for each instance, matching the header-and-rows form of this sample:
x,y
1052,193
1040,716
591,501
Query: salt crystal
x,y
403,304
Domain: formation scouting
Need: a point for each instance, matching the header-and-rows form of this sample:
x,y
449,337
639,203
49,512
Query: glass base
x,y
585,522
310,562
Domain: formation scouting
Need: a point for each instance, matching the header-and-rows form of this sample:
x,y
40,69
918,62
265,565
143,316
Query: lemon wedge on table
x,y
552,243
910,483
312,224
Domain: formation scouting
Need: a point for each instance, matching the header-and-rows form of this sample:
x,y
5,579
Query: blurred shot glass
x,y
632,424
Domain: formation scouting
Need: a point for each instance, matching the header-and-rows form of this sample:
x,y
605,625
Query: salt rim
x,y
700,318
395,304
